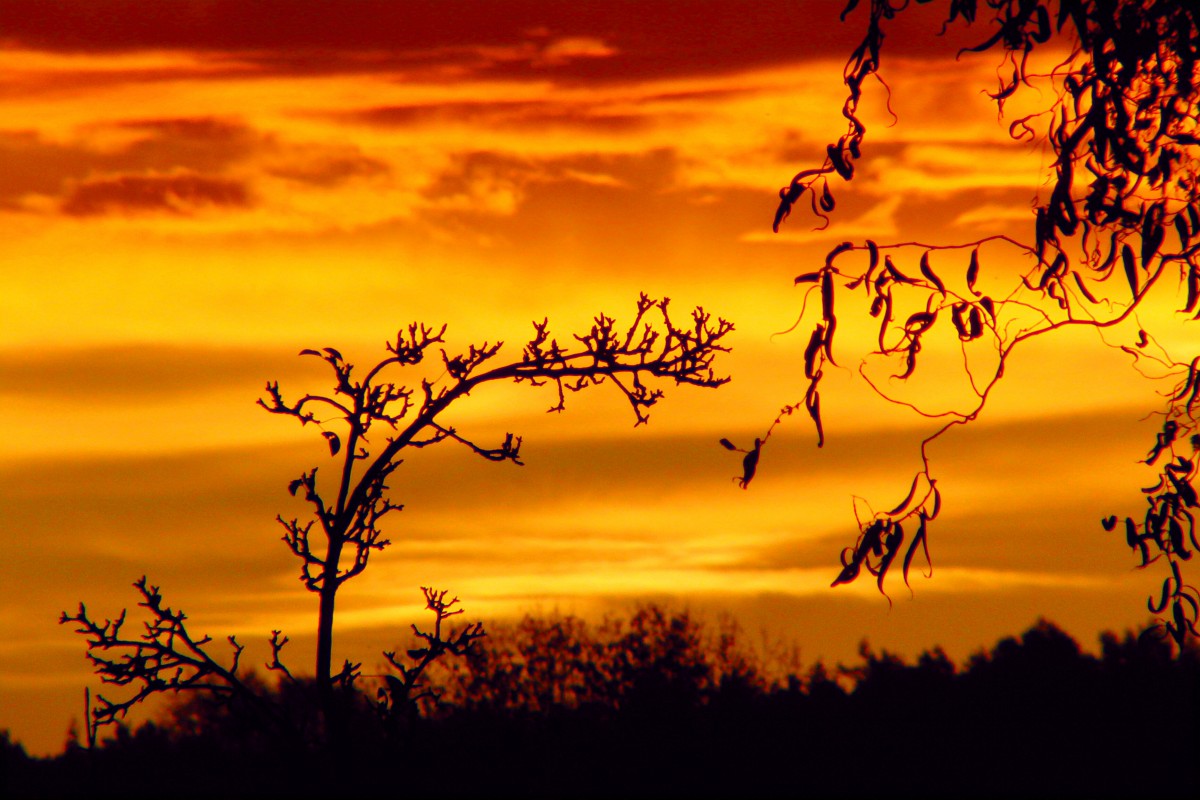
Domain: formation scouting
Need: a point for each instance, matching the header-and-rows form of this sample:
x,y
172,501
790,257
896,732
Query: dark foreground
x,y
658,706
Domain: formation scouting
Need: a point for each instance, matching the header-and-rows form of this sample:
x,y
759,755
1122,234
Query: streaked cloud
x,y
137,373
594,42
514,114
176,194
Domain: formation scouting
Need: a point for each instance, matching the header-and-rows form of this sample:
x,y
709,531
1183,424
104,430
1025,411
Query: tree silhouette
x,y
371,422
1121,216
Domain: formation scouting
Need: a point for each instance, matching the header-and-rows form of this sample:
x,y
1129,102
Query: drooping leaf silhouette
x,y
750,464
1120,120
930,275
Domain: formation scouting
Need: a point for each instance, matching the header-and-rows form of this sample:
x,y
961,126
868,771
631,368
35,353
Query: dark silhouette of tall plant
x,y
369,421
1122,214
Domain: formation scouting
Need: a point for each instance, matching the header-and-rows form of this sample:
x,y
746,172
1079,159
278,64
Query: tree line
x,y
661,703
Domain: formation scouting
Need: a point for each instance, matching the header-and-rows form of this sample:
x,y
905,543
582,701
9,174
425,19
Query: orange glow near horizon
x,y
180,216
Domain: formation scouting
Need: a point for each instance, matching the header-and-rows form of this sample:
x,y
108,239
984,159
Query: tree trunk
x,y
325,640
328,594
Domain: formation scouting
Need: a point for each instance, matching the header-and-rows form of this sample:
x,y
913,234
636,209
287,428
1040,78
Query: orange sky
x,y
192,192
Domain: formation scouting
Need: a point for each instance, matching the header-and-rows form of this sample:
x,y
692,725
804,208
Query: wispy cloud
x,y
176,194
137,373
592,41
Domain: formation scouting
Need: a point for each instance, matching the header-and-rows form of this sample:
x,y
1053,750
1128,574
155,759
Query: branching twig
x,y
401,695
165,657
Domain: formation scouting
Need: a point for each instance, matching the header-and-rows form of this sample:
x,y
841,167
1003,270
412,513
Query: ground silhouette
x,y
660,704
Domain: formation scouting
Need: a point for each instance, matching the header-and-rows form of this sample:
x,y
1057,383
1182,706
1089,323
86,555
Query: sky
x,y
193,192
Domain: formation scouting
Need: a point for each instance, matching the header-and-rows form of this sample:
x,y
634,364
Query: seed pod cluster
x,y
882,538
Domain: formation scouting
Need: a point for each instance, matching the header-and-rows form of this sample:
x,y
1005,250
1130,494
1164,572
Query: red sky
x,y
192,192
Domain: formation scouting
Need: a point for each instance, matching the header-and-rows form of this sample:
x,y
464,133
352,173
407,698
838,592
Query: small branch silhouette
x,y
400,695
165,657
749,461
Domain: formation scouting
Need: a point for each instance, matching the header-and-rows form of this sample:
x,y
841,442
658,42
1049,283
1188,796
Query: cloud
x,y
203,129
511,114
34,165
567,48
992,215
497,182
134,154
619,41
123,373
177,166
288,158
325,167
955,168
181,193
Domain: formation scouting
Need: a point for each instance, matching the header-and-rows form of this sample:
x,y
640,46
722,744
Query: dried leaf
x,y
919,539
990,307
810,352
897,275
1152,234
976,320
826,202
1083,288
838,159
827,295
1127,258
912,491
835,252
812,402
919,322
930,275
873,250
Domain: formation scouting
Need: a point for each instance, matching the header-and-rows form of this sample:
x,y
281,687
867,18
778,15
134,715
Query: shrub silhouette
x,y
650,662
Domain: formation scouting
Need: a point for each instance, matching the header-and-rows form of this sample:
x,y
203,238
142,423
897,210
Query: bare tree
x,y
377,419
1122,215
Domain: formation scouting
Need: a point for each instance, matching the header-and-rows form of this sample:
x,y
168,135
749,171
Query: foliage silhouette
x,y
653,659
1122,215
658,703
377,421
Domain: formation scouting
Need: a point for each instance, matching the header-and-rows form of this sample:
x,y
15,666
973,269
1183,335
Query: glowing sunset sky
x,y
192,192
